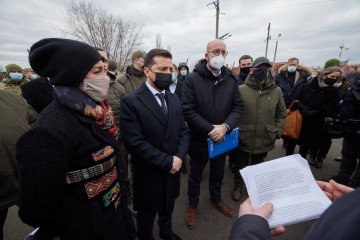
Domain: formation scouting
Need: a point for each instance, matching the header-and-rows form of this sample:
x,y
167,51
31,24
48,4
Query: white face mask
x,y
291,69
97,88
217,62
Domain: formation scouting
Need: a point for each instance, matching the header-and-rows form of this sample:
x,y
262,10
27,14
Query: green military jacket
x,y
16,116
11,85
264,114
132,79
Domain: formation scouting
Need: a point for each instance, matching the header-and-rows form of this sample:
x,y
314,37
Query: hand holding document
x,y
290,186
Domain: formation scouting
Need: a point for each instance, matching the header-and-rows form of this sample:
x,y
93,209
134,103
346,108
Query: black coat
x,y
319,103
208,100
152,141
38,93
60,141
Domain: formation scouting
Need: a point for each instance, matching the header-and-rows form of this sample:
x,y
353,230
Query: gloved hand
x,y
298,105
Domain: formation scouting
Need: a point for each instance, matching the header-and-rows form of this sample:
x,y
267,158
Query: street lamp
x,y
225,36
277,40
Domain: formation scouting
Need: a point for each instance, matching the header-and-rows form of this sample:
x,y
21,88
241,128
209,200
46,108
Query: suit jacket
x,y
153,140
38,93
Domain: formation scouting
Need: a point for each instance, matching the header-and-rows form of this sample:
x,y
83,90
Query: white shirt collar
x,y
153,90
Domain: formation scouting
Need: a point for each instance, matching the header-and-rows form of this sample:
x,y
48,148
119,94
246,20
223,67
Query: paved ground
x,y
211,224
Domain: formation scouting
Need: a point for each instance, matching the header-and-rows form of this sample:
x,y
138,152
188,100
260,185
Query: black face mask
x,y
245,70
163,80
330,81
260,74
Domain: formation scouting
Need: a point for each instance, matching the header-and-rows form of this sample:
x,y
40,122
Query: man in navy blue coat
x,y
156,136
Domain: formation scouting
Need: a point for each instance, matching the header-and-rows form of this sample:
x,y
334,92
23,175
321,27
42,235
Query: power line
x,y
290,5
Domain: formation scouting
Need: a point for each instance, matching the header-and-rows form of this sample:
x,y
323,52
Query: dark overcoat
x,y
153,140
61,141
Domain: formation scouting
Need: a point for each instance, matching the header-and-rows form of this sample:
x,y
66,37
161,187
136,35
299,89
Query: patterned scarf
x,y
77,100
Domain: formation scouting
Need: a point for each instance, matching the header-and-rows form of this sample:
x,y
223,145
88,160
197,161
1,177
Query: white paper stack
x,y
290,186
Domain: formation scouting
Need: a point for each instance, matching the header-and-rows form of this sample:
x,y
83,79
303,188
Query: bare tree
x,y
91,24
158,41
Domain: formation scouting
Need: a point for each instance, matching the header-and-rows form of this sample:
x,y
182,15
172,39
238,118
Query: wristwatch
x,y
227,127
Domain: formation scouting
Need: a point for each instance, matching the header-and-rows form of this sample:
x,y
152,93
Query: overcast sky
x,y
311,30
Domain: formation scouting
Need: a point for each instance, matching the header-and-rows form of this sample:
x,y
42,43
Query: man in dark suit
x,y
38,93
156,136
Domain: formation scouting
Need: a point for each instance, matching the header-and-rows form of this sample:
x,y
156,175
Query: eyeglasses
x,y
217,52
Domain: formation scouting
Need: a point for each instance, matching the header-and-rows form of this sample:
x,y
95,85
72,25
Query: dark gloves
x,y
298,105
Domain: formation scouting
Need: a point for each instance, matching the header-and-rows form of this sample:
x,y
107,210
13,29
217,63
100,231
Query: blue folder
x,y
231,141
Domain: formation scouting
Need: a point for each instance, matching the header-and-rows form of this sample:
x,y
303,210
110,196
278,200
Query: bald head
x,y
217,42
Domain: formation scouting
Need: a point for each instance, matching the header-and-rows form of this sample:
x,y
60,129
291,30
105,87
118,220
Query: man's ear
x,y
146,71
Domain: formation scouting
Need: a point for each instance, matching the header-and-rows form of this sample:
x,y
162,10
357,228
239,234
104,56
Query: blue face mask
x,y
16,76
183,73
33,76
173,77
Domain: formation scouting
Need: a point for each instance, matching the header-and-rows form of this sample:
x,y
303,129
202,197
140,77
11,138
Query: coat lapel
x,y
148,99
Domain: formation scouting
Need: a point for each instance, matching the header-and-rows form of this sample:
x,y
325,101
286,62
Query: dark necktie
x,y
162,100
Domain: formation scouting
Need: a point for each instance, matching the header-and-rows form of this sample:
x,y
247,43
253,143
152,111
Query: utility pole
x,y
277,40
341,48
267,40
217,7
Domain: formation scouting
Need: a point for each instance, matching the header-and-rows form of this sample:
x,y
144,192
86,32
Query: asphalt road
x,y
212,225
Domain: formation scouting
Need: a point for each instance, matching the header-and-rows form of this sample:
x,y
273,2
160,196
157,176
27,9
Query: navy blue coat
x,y
152,140
291,89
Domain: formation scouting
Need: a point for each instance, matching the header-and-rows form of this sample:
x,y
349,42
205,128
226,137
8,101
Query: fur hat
x,y
138,54
112,65
12,67
66,62
332,62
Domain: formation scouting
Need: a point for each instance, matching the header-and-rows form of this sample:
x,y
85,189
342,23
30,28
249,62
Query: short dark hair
x,y
175,67
293,59
245,57
149,59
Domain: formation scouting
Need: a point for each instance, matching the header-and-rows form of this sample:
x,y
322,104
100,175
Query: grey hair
x,y
330,70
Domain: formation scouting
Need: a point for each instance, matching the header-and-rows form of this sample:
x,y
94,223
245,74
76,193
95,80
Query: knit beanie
x,y
66,62
138,54
112,65
12,67
332,62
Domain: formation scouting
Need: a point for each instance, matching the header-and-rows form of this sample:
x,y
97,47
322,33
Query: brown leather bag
x,y
293,123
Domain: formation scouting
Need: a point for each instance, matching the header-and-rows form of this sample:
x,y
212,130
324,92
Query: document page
x,y
290,186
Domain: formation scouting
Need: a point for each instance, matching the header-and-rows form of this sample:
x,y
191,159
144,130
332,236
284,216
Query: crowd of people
x,y
85,148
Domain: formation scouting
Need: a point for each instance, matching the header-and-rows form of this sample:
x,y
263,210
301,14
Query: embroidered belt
x,y
86,173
